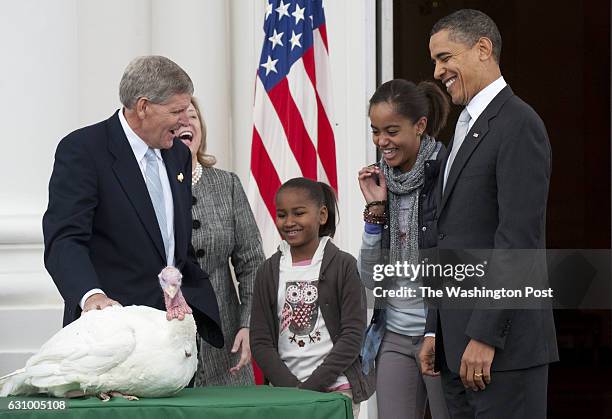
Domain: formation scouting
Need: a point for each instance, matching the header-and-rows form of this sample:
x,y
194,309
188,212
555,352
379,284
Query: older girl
x,y
399,192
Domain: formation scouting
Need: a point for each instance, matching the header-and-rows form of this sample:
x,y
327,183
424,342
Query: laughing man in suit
x,y
120,203
494,187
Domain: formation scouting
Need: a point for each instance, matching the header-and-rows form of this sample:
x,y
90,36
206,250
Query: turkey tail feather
x,y
10,382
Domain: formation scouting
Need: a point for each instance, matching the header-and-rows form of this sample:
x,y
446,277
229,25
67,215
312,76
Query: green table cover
x,y
261,402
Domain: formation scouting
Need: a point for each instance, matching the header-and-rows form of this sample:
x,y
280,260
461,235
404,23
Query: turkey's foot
x,y
107,396
125,396
73,394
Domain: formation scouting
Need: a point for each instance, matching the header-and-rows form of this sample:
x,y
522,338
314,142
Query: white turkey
x,y
133,351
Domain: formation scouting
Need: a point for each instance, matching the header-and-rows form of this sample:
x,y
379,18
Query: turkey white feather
x,y
132,350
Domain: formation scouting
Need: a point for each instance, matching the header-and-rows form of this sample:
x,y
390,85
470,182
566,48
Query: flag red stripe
x,y
309,65
323,32
295,131
326,147
264,173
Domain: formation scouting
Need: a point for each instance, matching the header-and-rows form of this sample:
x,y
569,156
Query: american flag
x,y
292,132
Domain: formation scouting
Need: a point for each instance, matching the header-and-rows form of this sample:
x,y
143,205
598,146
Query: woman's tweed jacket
x,y
224,230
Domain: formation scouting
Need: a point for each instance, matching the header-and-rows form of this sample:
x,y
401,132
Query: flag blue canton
x,y
288,27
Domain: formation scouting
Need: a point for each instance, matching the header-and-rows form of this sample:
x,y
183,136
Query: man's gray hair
x,y
468,26
155,77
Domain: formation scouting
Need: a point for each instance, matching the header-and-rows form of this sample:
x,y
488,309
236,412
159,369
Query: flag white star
x,y
270,65
276,39
282,10
268,10
295,40
298,14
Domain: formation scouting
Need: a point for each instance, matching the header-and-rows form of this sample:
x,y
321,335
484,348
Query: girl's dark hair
x,y
322,194
415,101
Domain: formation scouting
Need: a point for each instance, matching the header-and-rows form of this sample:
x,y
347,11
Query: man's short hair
x,y
468,26
155,77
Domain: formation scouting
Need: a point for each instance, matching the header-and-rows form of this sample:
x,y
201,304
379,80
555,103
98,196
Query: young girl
x,y
309,311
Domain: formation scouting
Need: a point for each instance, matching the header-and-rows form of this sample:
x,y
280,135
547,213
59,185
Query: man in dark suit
x,y
120,203
494,187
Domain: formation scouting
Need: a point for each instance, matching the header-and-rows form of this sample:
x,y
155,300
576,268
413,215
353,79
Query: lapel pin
x,y
180,177
475,135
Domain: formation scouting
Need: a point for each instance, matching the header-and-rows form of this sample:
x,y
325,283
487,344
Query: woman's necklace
x,y
196,174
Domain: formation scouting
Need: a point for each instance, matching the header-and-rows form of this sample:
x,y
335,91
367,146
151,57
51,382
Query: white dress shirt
x,y
139,148
479,103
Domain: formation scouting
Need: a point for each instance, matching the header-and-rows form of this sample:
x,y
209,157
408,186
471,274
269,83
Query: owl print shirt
x,y
303,341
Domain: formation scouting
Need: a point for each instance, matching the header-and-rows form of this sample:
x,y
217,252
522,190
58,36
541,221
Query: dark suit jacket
x,y
495,198
101,231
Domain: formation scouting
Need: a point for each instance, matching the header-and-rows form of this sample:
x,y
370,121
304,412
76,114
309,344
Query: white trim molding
x,y
21,229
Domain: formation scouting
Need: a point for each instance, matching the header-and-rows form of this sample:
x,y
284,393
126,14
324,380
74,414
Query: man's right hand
x,y
98,302
427,356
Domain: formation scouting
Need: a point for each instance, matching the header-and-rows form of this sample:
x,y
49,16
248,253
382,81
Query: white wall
x,y
62,61
40,101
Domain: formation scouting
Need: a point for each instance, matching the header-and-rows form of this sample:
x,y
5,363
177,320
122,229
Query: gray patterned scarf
x,y
403,192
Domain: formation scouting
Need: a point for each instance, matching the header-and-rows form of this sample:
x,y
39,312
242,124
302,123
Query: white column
x,y
351,38
110,34
37,76
38,82
195,34
386,40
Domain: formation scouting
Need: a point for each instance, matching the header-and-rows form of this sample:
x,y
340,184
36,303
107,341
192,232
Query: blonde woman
x,y
224,230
